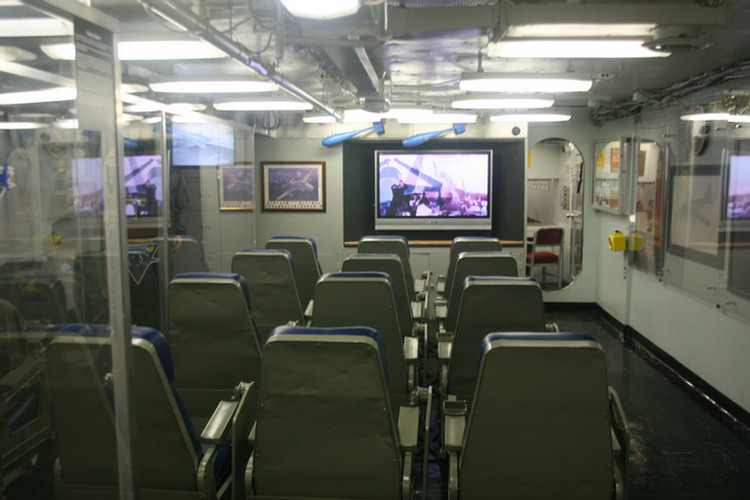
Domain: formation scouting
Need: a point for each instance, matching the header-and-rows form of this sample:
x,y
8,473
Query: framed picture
x,y
294,186
236,187
696,213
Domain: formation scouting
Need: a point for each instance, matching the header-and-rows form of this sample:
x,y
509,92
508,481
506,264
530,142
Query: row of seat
x,y
543,422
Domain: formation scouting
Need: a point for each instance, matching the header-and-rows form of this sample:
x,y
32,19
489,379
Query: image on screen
x,y
88,184
426,185
201,144
738,193
143,185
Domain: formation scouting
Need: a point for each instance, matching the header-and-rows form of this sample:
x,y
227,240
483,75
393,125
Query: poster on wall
x,y
294,186
236,187
696,213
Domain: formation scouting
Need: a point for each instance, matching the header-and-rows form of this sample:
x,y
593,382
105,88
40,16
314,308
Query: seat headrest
x,y
495,279
386,237
357,275
537,337
280,332
218,276
269,251
299,238
473,238
161,346
365,256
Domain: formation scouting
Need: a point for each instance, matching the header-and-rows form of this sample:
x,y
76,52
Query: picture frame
x,y
236,187
294,186
696,207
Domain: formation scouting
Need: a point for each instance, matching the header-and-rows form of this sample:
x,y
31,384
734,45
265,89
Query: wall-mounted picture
x,y
294,186
236,187
696,213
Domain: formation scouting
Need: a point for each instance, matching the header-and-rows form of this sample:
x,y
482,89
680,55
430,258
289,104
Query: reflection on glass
x,y
647,241
554,197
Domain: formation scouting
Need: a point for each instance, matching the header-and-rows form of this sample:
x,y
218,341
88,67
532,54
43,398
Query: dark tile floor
x,y
682,447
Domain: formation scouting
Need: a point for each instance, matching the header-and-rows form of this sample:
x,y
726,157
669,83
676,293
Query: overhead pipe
x,y
173,13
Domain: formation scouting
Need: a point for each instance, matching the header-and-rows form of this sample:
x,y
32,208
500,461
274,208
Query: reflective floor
x,y
682,447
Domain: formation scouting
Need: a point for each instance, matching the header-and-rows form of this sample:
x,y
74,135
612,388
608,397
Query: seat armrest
x,y
417,309
440,284
441,308
454,423
444,345
219,424
408,427
620,427
309,310
411,349
551,327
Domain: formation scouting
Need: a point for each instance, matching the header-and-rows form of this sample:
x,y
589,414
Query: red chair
x,y
548,237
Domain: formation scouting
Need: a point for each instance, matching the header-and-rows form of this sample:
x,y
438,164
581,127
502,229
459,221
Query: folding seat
x,y
171,461
464,244
306,266
400,246
472,264
366,299
543,423
269,275
550,238
488,304
325,425
213,338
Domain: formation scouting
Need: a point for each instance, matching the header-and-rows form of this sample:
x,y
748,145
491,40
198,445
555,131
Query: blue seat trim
x,y
262,251
211,275
358,331
514,279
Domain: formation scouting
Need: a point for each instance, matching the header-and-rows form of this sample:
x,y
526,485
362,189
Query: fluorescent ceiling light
x,y
68,123
739,118
152,119
531,117
14,54
132,88
143,107
489,82
501,103
439,118
263,106
580,30
21,125
363,116
705,117
152,50
35,26
185,107
321,9
319,119
167,49
213,86
572,49
54,94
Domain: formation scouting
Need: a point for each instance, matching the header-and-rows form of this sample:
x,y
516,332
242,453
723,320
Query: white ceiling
x,y
419,55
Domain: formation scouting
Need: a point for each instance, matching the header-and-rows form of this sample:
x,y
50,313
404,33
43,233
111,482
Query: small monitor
x,y
143,185
433,190
201,144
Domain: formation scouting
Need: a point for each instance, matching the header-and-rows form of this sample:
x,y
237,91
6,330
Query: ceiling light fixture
x,y
572,49
213,85
321,9
438,118
501,103
278,105
35,27
22,125
55,94
705,117
531,117
151,50
498,82
319,119
580,30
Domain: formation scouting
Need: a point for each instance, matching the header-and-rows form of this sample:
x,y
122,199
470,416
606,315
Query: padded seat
x,y
269,275
488,304
214,341
543,423
325,426
347,299
473,264
184,253
464,244
170,459
548,237
306,266
400,246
